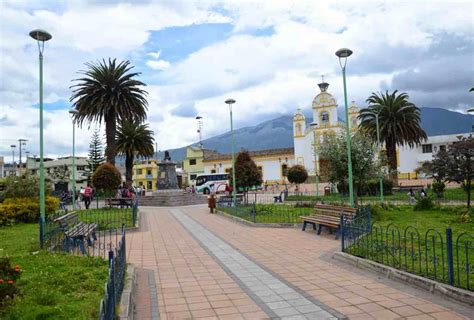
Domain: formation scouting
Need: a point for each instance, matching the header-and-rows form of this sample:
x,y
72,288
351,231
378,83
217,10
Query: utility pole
x,y
20,143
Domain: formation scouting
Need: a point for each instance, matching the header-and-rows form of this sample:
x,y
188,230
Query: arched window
x,y
354,122
298,129
324,117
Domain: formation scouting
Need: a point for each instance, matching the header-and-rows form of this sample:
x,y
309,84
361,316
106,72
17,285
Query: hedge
x,y
25,209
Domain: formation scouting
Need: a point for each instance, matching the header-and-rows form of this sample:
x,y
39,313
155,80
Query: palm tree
x,y
108,92
399,123
134,139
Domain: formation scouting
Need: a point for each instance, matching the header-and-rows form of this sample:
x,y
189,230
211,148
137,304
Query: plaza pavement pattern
x,y
194,265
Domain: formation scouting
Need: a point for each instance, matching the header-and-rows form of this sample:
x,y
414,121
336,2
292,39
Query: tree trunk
x,y
468,194
129,170
391,149
110,131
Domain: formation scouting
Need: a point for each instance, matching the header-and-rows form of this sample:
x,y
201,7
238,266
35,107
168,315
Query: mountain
x,y
278,132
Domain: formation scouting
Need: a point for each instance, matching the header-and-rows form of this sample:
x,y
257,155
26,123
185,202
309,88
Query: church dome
x,y
324,98
298,116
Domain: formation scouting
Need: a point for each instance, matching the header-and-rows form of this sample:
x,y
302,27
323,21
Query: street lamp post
x,y
73,113
378,146
314,125
13,160
199,121
343,54
230,102
41,36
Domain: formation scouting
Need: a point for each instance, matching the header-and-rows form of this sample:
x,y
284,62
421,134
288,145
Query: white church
x,y
325,122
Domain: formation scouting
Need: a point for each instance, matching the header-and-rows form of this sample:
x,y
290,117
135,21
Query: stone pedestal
x,y
167,179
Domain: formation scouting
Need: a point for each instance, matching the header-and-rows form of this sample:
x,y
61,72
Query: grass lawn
x,y
457,194
270,213
53,286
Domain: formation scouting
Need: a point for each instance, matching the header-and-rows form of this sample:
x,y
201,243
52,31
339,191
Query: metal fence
x,y
115,281
269,212
432,254
105,237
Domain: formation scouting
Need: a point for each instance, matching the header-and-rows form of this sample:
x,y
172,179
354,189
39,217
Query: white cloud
x,y
267,75
158,64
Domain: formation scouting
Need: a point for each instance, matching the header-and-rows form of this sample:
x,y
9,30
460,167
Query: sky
x,y
193,55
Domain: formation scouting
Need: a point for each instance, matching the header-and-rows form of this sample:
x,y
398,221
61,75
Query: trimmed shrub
x,y
25,186
25,209
297,174
106,178
424,204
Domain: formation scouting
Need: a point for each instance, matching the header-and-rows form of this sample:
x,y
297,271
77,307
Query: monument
x,y
167,179
168,193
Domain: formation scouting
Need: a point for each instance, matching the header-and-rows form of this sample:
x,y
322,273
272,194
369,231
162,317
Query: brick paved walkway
x,y
195,278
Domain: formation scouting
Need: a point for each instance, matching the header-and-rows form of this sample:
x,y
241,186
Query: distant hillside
x,y
278,133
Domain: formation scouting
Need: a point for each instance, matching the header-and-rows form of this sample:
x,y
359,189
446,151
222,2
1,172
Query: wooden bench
x,y
76,231
328,216
120,202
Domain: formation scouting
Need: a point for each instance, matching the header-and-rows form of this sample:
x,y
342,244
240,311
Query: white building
x,y
325,122
53,168
408,159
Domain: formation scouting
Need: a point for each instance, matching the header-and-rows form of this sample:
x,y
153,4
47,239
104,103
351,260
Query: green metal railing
x,y
433,254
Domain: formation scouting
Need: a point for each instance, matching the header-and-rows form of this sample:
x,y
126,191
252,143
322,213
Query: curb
x,y
457,294
258,225
127,304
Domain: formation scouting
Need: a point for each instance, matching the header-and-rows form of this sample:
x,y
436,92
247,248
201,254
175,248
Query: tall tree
x,y
95,152
365,163
134,139
109,92
247,174
460,167
399,122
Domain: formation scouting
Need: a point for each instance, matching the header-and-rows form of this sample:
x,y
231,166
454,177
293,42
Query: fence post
x,y
341,217
134,214
449,250
254,211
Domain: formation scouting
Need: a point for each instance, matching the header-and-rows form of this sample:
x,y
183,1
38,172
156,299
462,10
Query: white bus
x,y
214,182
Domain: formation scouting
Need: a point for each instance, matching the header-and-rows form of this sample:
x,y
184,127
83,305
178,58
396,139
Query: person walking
x,y
87,196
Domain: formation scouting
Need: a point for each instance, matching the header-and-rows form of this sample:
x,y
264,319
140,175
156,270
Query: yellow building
x,y
193,163
273,163
145,174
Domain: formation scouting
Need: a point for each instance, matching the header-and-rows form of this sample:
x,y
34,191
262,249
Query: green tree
x,y
297,174
25,186
399,122
247,174
436,169
460,166
134,140
106,178
365,163
95,152
109,92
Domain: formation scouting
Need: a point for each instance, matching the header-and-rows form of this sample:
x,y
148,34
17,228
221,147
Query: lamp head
x,y
314,124
40,35
230,101
73,112
198,118
343,52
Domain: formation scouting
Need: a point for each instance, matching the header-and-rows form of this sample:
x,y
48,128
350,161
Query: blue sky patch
x,y
57,105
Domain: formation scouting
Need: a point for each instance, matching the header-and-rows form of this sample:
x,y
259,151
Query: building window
x,y
149,185
298,129
148,172
442,148
192,162
140,183
193,177
213,171
324,117
427,148
260,169
228,170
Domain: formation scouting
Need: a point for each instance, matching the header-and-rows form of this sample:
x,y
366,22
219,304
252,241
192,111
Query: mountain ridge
x,y
278,132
